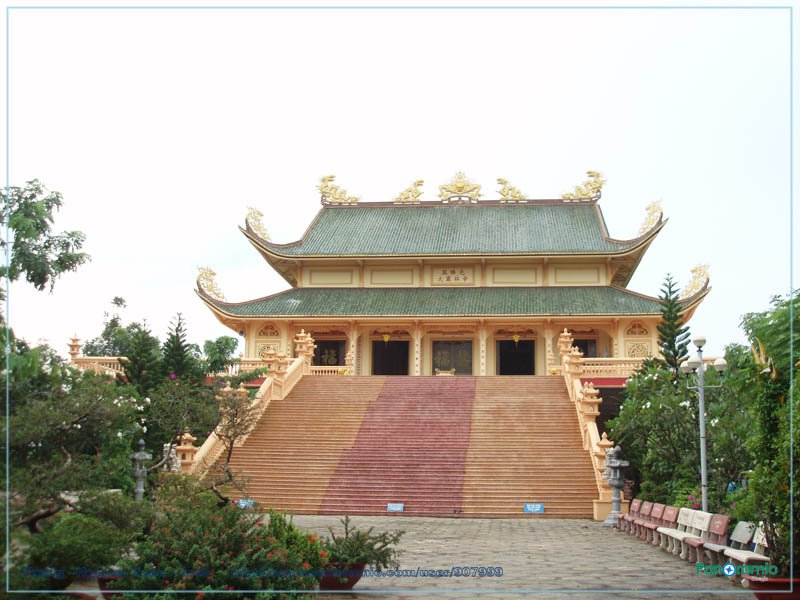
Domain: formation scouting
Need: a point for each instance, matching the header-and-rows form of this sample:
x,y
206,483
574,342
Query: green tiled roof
x,y
472,229
451,301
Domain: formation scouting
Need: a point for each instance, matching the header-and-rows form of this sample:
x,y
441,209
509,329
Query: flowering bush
x,y
197,545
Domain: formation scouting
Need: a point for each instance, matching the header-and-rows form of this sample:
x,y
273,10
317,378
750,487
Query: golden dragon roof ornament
x,y
411,194
332,194
590,190
206,282
508,193
253,219
699,281
460,188
654,212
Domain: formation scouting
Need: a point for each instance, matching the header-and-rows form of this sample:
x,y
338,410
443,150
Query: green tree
x,y
36,253
673,335
111,341
775,335
219,353
180,358
143,368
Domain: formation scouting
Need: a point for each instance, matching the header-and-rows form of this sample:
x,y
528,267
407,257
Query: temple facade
x,y
456,285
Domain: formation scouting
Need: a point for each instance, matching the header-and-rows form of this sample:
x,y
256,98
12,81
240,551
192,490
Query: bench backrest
x,y
685,516
634,509
670,516
718,530
644,512
700,523
657,512
742,534
760,540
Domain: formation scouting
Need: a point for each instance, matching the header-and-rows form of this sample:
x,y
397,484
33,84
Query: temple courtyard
x,y
540,558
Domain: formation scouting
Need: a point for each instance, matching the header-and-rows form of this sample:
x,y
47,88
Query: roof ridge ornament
x,y
460,188
411,194
654,214
508,193
253,219
333,194
206,282
699,281
589,190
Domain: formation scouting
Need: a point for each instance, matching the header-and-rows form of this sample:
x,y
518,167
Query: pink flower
x,y
173,376
691,498
695,506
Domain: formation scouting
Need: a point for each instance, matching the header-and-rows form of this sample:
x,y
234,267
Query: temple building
x,y
456,285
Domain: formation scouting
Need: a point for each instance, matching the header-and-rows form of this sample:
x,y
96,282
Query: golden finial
x,y
460,187
509,193
205,281
411,194
333,194
654,212
699,281
590,190
254,220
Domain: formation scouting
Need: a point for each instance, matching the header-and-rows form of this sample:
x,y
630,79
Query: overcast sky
x,y
160,128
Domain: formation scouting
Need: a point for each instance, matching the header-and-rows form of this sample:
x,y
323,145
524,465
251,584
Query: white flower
x,y
119,434
147,400
144,429
684,404
647,404
77,425
714,422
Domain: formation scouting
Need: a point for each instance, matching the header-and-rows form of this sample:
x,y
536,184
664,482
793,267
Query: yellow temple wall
x,y
456,273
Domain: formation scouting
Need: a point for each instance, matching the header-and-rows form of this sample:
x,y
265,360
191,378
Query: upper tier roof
x,y
446,302
436,229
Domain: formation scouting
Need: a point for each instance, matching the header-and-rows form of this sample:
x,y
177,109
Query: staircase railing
x,y
283,373
610,367
586,400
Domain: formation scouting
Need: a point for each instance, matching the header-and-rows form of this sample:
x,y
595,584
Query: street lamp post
x,y
695,365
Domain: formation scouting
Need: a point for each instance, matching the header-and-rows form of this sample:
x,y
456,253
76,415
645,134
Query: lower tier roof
x,y
441,302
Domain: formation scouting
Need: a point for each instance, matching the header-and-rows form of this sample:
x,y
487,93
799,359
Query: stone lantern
x,y
613,475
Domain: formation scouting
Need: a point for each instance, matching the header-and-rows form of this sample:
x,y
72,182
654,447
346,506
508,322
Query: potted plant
x,y
349,554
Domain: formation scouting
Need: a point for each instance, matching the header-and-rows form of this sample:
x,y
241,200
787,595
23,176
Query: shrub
x,y
75,544
194,544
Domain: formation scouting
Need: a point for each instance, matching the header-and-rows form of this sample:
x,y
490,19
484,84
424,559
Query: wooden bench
x,y
717,533
667,518
740,540
625,521
668,535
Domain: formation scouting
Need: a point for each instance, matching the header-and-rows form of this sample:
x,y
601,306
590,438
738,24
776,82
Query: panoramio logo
x,y
729,570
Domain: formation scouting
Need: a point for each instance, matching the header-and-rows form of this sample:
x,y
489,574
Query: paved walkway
x,y
540,558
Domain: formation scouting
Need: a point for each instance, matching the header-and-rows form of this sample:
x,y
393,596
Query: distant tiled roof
x,y
549,227
450,301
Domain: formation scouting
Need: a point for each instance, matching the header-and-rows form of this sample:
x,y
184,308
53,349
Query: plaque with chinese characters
x,y
452,276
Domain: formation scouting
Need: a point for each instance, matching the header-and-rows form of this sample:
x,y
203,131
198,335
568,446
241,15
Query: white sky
x,y
160,128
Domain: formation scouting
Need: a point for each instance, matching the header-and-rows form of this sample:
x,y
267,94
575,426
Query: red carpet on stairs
x,y
411,448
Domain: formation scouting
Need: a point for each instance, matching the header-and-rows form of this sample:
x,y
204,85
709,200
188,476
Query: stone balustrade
x,y
586,399
610,367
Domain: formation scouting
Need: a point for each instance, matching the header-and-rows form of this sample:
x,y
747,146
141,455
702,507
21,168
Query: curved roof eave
x,y
272,249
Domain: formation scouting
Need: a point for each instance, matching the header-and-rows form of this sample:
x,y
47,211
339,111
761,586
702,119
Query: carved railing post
x,y
590,402
349,363
600,452
564,344
575,365
186,451
304,348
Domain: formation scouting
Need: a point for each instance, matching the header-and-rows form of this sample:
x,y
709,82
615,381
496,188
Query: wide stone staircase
x,y
441,446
